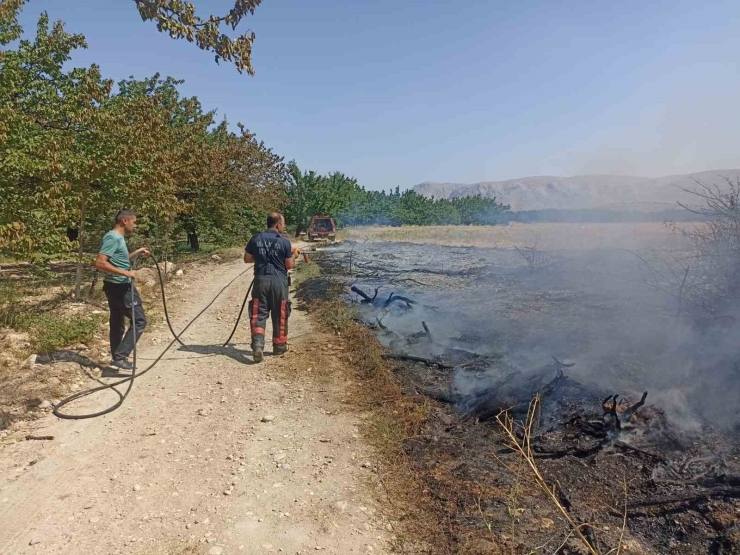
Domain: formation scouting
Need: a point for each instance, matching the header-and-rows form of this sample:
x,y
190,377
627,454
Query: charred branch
x,y
560,365
438,396
681,503
627,415
410,358
429,333
366,299
393,298
628,447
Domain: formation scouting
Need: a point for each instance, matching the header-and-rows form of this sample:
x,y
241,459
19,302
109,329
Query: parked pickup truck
x,y
321,227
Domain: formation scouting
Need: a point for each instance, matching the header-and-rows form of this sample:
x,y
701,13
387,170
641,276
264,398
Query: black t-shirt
x,y
269,249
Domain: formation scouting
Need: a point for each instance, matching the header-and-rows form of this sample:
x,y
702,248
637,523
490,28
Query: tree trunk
x,y
194,242
80,240
93,284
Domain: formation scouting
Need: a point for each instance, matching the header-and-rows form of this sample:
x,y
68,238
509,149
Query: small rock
x,y
34,541
268,418
137,487
341,505
215,258
30,361
285,466
389,527
179,273
94,520
227,492
146,276
366,465
45,405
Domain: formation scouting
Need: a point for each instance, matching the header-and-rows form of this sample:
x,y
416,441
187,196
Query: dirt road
x,y
210,453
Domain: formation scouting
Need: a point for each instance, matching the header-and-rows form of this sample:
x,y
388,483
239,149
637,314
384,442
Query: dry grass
x,y
521,444
519,440
553,236
390,417
39,315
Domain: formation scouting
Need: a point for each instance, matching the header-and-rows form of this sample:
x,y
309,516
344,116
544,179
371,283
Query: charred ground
x,y
481,331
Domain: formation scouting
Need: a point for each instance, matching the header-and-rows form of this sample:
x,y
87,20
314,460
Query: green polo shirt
x,y
114,247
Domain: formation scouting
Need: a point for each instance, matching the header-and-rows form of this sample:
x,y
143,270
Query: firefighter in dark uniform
x,y
272,256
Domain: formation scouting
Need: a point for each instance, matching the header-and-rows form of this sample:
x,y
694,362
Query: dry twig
x,y
524,448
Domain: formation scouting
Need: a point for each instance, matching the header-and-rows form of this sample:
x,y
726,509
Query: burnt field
x,y
576,405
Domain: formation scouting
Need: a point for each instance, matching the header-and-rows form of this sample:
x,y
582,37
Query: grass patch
x,y
305,272
391,418
554,236
25,306
50,333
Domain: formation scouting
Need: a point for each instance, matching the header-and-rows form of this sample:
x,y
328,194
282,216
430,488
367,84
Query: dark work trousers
x,y
270,297
119,303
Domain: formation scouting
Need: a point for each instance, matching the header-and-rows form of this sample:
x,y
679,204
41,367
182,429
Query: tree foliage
x,y
180,20
310,194
411,208
339,196
74,149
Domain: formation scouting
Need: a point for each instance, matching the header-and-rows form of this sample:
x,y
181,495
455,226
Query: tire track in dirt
x,y
188,466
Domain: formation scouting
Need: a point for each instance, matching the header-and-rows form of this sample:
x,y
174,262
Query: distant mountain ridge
x,y
583,191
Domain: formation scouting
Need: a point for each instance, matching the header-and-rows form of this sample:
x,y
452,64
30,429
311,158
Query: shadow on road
x,y
229,351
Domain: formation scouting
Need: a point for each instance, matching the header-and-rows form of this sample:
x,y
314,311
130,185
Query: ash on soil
x,y
495,325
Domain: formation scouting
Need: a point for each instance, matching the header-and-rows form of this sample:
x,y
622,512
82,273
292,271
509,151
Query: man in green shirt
x,y
115,260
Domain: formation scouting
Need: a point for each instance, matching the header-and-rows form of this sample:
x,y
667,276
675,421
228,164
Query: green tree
x,y
310,194
56,138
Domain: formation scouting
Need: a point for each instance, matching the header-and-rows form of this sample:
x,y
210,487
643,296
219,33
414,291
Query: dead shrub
x,y
708,282
535,257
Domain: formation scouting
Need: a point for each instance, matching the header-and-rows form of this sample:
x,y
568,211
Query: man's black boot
x,y
278,350
257,350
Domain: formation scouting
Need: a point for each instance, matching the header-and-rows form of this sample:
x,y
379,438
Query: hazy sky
x,y
397,92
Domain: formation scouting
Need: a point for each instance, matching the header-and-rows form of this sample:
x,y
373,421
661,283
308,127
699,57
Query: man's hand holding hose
x,y
297,252
133,256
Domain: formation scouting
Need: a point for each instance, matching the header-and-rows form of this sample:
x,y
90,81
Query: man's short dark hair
x,y
273,219
123,215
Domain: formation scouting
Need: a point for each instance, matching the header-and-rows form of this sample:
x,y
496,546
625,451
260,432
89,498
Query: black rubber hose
x,y
167,315
130,379
241,310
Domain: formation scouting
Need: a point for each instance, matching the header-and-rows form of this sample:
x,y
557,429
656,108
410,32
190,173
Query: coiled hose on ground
x,y
130,379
